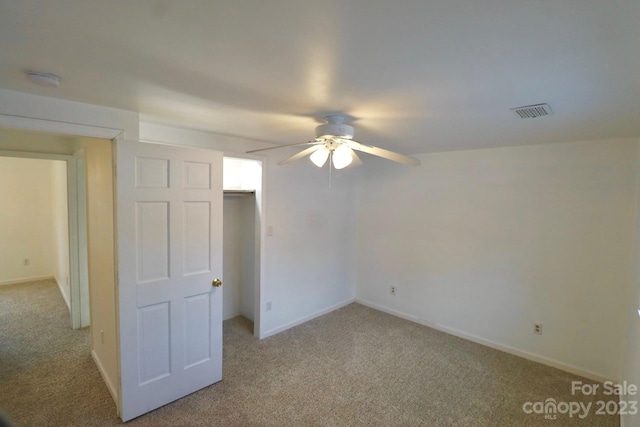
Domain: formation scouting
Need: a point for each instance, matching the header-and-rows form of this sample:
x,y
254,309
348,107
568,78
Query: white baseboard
x,y
64,297
507,349
25,280
306,318
105,377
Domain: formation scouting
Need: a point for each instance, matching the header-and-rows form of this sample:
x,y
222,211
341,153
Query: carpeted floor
x,y
353,367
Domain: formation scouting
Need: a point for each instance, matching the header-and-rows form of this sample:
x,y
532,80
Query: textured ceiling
x,y
413,75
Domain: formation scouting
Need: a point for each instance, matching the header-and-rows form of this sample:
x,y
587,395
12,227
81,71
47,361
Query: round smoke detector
x,y
43,79
334,127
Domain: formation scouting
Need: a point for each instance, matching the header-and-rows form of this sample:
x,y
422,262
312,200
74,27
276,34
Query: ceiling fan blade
x,y
299,155
314,142
381,152
356,160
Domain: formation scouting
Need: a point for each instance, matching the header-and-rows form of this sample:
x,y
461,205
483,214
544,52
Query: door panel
x,y
196,250
196,349
152,241
169,251
154,351
152,173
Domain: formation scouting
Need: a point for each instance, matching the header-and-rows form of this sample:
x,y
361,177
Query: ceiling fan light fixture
x,y
342,157
320,156
335,139
334,127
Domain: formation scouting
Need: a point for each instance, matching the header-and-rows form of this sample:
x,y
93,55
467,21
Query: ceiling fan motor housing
x,y
334,127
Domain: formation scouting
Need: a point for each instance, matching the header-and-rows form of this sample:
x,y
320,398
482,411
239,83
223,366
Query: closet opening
x,y
242,207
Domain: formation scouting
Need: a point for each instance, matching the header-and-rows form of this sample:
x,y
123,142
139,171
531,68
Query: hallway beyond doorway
x,y
46,364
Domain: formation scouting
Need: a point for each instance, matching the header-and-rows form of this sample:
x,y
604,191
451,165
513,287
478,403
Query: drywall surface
x,y
631,361
232,250
307,265
486,243
25,219
60,227
241,174
248,255
310,254
100,251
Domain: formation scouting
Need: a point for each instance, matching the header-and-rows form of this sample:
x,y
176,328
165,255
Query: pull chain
x,y
330,167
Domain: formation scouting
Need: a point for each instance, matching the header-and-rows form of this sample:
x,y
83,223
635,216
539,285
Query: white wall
x,y
631,361
486,243
34,221
232,258
241,174
60,228
307,266
248,237
25,219
309,261
101,257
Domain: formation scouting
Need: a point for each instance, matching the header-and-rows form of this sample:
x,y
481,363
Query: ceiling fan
x,y
334,140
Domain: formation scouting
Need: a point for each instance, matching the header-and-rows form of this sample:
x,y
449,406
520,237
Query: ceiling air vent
x,y
532,111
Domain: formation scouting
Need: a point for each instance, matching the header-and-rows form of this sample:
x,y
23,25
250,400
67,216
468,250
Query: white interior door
x,y
169,253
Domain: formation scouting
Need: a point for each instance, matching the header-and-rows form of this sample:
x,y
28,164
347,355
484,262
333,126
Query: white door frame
x,y
73,221
83,314
64,128
259,261
76,129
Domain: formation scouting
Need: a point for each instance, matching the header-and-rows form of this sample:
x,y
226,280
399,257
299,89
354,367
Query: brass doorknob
x,y
217,283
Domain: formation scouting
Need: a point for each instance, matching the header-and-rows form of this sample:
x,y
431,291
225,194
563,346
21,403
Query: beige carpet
x,y
353,367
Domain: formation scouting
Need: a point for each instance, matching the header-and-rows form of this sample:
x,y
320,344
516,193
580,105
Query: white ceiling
x,y
413,75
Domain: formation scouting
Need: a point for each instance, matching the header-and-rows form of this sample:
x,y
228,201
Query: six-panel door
x,y
169,252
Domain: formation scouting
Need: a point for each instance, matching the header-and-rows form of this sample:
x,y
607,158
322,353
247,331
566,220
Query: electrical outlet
x,y
393,290
537,328
268,305
26,261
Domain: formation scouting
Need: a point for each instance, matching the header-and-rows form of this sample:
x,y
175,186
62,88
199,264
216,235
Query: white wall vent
x,y
532,111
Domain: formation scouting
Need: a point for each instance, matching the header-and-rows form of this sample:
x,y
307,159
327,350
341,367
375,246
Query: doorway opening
x,y
89,231
242,213
34,244
45,219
